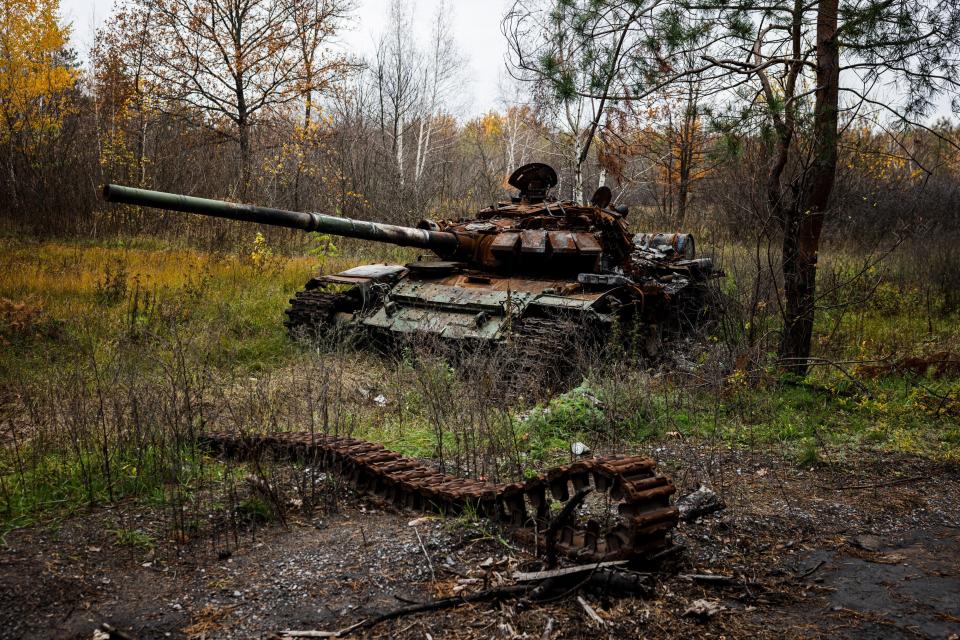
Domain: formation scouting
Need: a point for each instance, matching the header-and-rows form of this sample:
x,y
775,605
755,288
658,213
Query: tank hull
x,y
443,301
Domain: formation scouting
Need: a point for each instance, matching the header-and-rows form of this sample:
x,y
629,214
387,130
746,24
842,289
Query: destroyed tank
x,y
533,271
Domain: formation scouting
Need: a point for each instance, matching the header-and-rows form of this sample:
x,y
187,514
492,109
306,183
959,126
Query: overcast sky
x,y
476,25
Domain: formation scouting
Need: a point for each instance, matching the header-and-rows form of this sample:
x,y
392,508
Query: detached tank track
x,y
313,309
641,520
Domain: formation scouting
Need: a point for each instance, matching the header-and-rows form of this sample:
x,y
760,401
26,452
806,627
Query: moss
x,y
256,511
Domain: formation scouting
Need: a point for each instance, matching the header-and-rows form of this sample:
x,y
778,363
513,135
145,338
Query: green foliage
x,y
673,32
196,328
563,418
323,246
23,324
83,298
565,88
261,255
134,538
254,510
809,453
549,65
57,483
111,288
740,27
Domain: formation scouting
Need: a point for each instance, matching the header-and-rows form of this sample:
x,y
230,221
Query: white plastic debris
x,y
703,609
579,449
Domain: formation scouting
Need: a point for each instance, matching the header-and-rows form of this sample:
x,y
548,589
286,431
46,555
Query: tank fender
x,y
365,278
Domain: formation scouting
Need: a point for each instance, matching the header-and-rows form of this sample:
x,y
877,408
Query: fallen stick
x,y
667,553
706,578
436,605
590,612
620,581
810,571
535,576
718,580
426,555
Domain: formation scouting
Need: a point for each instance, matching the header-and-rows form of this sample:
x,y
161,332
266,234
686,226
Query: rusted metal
x,y
534,181
666,245
315,309
632,521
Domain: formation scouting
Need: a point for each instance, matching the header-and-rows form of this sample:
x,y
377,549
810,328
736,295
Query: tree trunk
x,y
307,115
14,199
142,151
683,189
244,137
579,157
423,146
801,240
688,144
398,146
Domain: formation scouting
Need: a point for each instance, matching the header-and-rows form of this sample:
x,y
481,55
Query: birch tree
x,y
413,84
442,69
396,76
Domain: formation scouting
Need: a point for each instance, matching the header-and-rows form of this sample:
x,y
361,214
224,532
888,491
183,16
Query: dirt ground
x,y
826,552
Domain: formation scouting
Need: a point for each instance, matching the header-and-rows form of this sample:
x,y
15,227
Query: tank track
x,y
540,350
631,496
313,309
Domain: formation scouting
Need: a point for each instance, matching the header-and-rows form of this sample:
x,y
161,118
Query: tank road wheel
x,y
313,311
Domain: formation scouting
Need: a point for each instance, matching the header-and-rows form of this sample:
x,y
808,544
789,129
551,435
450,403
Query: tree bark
x,y
243,137
579,158
801,240
688,144
243,132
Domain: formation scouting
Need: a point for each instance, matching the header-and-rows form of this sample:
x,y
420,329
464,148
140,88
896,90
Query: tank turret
x,y
531,233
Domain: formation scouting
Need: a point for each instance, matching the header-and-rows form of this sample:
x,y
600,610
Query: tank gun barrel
x,y
443,243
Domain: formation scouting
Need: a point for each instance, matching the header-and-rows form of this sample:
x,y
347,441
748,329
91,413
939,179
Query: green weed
x,y
563,418
256,511
134,538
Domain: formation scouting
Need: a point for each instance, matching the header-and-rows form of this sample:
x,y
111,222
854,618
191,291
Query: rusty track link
x,y
313,309
635,516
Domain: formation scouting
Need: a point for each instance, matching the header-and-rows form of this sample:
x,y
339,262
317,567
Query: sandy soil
x,y
812,553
